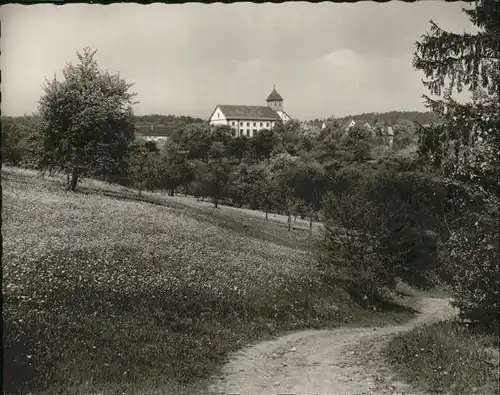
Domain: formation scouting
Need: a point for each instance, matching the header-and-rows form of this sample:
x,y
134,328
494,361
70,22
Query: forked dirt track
x,y
343,361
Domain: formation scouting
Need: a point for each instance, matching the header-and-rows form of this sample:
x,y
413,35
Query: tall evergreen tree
x,y
465,147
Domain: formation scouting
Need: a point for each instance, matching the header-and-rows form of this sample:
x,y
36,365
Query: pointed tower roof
x,y
274,96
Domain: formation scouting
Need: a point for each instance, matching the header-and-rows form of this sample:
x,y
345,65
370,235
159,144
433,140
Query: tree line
x,y
162,125
387,118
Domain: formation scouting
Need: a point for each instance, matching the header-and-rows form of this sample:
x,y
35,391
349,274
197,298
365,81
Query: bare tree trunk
x,y
140,188
289,222
266,216
74,181
310,224
216,203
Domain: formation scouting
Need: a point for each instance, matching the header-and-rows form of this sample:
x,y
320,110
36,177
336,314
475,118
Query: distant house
x,y
335,123
248,120
350,125
155,138
330,124
312,127
153,132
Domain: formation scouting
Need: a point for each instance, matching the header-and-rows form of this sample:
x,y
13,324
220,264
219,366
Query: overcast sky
x,y
325,59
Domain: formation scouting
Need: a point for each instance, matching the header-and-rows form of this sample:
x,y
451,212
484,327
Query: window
x,y
255,124
241,123
248,123
232,123
267,124
255,130
261,124
248,132
218,115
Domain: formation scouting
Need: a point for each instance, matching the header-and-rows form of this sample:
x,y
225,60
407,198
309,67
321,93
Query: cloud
x,y
324,58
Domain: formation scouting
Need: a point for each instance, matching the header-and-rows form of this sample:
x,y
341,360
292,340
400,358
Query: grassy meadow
x,y
107,292
447,358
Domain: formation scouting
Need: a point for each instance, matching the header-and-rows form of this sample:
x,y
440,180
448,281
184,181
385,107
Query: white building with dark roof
x,y
247,120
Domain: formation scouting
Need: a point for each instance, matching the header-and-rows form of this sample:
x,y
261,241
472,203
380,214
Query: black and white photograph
x,y
250,198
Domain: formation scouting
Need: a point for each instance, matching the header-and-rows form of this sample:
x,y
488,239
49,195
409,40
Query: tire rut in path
x,y
342,361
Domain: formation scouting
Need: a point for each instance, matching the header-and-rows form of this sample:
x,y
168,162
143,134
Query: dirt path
x,y
342,361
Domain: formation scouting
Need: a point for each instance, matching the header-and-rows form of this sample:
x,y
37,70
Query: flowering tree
x,y
465,149
86,121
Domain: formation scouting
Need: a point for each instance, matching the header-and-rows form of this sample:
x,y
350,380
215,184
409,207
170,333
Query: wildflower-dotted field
x,y
447,358
113,294
100,290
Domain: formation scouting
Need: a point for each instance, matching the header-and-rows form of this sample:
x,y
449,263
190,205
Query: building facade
x,y
248,120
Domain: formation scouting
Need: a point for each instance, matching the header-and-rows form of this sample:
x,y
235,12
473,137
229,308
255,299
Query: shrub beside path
x,y
343,361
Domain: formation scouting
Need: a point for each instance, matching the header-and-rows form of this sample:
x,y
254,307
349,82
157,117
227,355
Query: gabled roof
x,y
329,124
249,112
349,124
282,113
274,96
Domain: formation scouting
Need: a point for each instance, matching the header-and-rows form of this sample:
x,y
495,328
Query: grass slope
x,y
104,292
447,358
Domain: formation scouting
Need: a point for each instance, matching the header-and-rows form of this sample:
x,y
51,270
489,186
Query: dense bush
x,y
381,226
356,144
471,257
405,134
21,141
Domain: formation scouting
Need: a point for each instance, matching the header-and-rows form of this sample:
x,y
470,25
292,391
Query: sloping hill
x,y
393,117
104,292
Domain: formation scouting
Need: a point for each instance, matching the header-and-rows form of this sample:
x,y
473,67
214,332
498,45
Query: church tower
x,y
275,101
